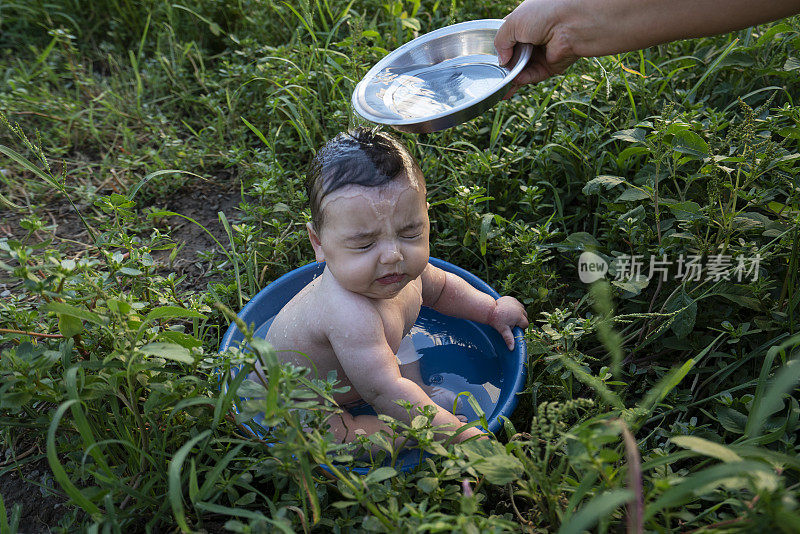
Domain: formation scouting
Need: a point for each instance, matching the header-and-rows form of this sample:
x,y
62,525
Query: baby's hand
x,y
508,312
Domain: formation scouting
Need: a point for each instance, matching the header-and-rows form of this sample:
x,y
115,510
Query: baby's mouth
x,y
389,279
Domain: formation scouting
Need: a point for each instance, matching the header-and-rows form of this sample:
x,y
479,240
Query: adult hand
x,y
561,31
536,22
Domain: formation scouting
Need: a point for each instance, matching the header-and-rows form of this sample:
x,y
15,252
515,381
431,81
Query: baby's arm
x,y
451,295
369,363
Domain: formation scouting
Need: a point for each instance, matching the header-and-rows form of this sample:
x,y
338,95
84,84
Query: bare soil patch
x,y
200,201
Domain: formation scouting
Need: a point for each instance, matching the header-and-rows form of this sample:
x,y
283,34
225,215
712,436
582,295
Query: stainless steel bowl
x,y
438,80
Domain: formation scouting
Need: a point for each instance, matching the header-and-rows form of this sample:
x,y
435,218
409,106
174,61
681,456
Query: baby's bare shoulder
x,y
352,313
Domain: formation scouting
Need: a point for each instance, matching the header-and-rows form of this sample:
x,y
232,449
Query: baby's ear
x,y
316,244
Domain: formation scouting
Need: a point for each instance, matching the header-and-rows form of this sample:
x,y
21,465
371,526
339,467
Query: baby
x,y
370,226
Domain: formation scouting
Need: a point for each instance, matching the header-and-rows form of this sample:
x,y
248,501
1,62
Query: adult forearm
x,y
605,27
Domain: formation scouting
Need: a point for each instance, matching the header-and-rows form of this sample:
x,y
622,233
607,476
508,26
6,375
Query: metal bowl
x,y
438,80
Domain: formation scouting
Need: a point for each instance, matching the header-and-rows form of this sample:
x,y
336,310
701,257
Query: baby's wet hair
x,y
362,156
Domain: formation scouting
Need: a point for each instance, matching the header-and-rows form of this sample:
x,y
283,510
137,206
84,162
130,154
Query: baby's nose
x,y
391,254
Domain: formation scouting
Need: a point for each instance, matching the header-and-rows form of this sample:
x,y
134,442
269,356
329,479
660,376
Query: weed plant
x,y
653,403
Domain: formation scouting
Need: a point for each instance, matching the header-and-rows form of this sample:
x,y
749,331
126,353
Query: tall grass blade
x,y
58,470
213,476
593,382
257,132
658,392
233,256
710,70
155,174
706,479
10,205
6,526
707,448
599,507
20,159
765,403
84,428
610,338
303,21
174,476
240,512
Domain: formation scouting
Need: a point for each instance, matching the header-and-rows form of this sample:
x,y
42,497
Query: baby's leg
x,y
345,427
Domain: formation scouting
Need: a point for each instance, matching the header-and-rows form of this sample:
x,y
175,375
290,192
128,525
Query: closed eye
x,y
363,247
414,236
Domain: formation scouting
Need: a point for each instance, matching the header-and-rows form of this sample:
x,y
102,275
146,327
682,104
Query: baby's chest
x,y
398,316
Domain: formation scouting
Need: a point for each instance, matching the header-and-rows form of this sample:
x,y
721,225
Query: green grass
x,y
666,405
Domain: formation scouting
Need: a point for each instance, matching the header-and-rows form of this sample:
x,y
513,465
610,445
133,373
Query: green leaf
x,y
167,312
688,142
168,351
632,194
491,459
179,338
379,439
633,135
686,211
686,306
633,286
500,470
118,306
789,131
792,63
428,484
731,420
73,311
742,300
636,214
380,474
582,240
769,35
172,312
486,224
596,185
631,152
344,504
69,326
411,23
706,448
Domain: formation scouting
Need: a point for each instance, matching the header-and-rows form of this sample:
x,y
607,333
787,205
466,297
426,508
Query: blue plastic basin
x,y
456,354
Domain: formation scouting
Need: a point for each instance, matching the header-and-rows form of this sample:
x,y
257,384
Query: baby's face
x,y
374,240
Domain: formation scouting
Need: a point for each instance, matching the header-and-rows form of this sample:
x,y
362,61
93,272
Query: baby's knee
x,y
344,428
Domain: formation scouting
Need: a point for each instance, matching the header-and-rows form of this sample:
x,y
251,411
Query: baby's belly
x,y
323,361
